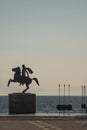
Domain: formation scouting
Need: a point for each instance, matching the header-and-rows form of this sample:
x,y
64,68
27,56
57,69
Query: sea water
x,y
47,104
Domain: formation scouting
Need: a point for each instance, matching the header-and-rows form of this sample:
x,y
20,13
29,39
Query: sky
x,y
48,36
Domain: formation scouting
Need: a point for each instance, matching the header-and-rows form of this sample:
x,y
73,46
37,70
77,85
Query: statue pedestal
x,y
22,103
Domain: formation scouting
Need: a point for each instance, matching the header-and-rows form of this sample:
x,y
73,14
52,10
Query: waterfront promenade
x,y
39,122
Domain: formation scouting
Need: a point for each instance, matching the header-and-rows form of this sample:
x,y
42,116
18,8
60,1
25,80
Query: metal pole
x,y
59,98
59,93
69,96
64,98
82,100
69,92
64,93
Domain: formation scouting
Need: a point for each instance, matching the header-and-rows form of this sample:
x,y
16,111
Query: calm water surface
x,y
47,104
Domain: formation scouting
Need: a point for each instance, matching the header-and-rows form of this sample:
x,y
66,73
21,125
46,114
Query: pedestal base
x,y
22,103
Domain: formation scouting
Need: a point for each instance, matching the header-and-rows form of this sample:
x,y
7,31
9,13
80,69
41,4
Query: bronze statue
x,y
23,78
25,72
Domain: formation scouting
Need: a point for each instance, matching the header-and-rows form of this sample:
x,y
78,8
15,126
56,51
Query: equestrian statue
x,y
23,77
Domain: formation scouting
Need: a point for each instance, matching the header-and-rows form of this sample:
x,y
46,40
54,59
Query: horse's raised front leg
x,y
26,89
10,80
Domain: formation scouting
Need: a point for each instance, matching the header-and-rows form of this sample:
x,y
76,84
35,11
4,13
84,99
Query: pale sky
x,y
50,37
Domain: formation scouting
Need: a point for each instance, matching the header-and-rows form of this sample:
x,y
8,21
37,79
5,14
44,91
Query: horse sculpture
x,y
22,80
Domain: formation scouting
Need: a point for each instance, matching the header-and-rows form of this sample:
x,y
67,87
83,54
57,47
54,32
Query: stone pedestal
x,y
22,103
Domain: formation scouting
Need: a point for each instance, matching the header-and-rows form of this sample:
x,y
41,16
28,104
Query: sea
x,y
48,104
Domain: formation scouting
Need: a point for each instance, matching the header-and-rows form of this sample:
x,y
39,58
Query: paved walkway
x,y
43,124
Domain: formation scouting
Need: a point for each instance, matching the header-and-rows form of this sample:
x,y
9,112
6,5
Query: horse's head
x,y
17,69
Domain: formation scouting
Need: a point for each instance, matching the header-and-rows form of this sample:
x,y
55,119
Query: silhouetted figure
x,y
25,72
22,79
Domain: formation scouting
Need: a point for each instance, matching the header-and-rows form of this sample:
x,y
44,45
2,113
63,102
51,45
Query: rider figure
x,y
25,72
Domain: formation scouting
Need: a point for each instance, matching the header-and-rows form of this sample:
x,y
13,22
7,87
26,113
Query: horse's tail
x,y
36,80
